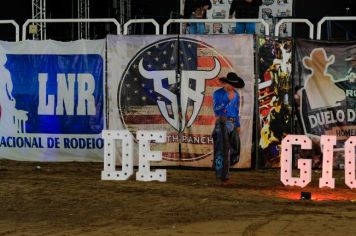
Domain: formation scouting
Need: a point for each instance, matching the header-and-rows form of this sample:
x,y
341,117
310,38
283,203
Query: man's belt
x,y
223,118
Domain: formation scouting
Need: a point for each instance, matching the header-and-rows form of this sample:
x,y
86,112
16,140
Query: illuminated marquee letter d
x,y
109,172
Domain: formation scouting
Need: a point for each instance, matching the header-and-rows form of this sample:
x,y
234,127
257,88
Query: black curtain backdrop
x,y
21,10
13,10
315,10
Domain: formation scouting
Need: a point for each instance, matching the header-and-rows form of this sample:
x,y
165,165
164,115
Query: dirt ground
x,y
70,199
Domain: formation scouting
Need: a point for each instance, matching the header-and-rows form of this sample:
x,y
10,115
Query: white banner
x,y
166,83
52,100
274,10
220,10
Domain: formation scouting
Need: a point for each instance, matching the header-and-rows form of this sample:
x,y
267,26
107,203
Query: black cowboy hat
x,y
234,80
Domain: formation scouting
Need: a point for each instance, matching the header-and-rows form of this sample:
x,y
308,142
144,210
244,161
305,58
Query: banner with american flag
x,y
167,82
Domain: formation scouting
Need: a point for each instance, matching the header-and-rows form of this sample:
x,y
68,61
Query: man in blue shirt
x,y
227,127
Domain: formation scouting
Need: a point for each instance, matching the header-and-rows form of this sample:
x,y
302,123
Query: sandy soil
x,y
70,199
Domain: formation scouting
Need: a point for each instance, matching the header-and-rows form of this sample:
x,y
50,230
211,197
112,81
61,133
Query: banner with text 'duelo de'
x,y
166,83
52,100
327,95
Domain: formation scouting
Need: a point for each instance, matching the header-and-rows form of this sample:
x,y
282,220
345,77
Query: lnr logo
x,y
65,91
327,142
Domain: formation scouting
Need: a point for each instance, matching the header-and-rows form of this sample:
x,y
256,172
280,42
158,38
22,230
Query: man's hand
x,y
238,130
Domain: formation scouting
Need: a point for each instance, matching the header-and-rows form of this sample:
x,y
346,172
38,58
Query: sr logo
x,y
170,75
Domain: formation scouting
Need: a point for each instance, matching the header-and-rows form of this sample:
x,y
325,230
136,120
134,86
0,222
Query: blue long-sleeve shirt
x,y
226,108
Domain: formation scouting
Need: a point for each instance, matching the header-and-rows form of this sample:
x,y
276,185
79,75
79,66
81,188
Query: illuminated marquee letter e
x,y
145,155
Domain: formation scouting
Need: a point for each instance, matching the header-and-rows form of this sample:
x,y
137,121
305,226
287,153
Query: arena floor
x,y
70,199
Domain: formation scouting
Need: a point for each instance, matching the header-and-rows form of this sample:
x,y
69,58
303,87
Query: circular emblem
x,y
168,86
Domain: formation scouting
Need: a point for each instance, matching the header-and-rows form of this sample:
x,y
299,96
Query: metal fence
x,y
125,30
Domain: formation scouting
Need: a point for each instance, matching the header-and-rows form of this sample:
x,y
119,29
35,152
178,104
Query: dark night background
x,y
20,10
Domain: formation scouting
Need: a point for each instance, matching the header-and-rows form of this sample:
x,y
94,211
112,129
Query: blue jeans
x,y
242,28
197,28
226,148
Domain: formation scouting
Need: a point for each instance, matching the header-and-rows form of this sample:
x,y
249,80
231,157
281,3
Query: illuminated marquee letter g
x,y
303,164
